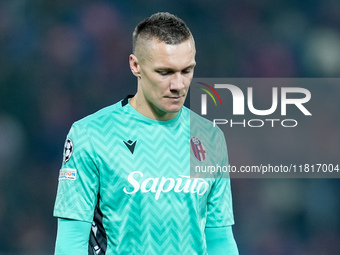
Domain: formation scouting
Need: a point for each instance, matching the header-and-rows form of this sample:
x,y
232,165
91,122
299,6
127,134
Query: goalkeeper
x,y
124,185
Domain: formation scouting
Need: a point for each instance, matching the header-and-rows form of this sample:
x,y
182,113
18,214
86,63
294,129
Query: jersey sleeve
x,y
78,178
72,237
219,204
221,241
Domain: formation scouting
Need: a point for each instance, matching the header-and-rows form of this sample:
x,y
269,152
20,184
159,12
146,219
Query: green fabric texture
x,y
221,241
72,237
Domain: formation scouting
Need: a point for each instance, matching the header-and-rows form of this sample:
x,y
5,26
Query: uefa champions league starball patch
x,y
68,150
198,149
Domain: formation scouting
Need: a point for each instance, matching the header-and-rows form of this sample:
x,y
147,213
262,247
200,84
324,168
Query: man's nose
x,y
177,83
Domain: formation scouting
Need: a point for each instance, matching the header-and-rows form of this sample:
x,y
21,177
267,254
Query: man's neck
x,y
147,111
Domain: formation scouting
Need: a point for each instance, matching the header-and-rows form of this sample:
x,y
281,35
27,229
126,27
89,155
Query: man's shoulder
x,y
197,120
194,117
204,127
100,116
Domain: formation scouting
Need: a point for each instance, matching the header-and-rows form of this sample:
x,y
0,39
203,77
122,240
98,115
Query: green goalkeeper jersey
x,y
130,176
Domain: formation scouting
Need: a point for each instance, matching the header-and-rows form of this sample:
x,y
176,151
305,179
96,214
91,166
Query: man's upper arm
x,y
219,203
78,179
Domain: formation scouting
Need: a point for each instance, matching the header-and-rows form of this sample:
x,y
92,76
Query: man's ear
x,y
134,65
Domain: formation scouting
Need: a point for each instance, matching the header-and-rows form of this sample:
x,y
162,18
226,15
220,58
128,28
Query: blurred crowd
x,y
62,60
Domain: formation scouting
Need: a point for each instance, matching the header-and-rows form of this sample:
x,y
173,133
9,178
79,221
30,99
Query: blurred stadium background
x,y
62,60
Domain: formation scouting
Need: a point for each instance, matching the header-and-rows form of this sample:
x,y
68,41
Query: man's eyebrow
x,y
171,69
163,69
190,66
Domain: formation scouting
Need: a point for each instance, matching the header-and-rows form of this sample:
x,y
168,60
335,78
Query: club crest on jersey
x,y
198,149
68,150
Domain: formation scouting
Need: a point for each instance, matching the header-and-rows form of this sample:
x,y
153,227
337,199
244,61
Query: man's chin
x,y
174,108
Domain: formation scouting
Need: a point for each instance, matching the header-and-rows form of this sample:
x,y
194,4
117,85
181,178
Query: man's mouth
x,y
174,98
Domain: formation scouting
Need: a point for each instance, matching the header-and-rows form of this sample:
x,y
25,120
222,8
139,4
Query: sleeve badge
x,y
68,150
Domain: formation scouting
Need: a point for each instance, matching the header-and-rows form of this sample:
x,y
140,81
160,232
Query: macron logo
x,y
159,185
130,145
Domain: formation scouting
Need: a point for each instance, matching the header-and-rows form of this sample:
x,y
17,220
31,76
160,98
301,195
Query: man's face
x,y
165,73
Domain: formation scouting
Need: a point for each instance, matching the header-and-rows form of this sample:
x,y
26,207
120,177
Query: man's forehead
x,y
161,53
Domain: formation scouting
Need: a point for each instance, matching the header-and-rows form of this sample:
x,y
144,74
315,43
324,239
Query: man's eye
x,y
163,72
188,70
